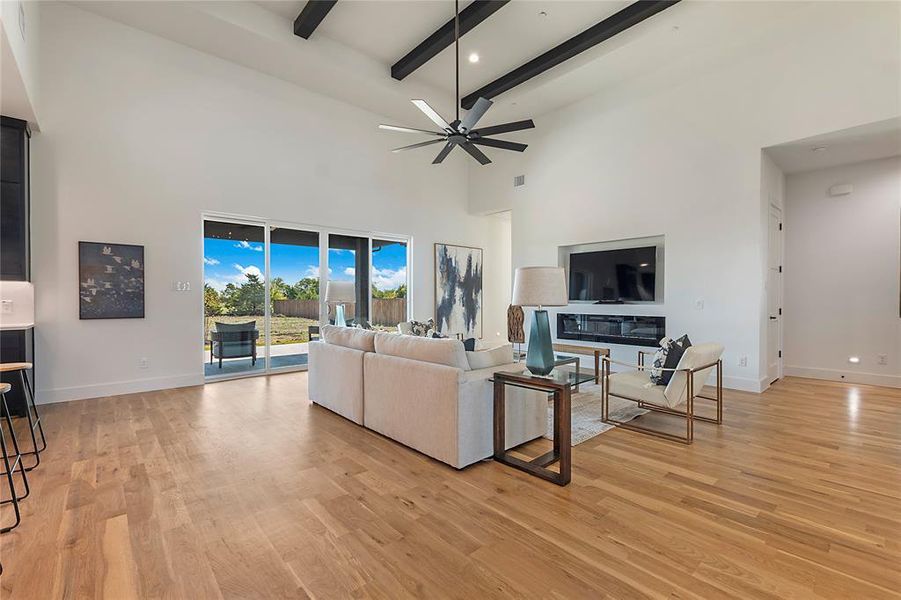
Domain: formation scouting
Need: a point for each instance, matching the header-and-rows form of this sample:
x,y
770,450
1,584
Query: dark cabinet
x,y
15,251
15,244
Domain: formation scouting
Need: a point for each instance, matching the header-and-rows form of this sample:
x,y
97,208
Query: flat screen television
x,y
624,275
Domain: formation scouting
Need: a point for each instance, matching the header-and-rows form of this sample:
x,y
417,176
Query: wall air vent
x,y
519,180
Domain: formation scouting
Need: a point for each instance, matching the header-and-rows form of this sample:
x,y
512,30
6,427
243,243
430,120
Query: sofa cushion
x,y
484,359
349,337
638,386
438,351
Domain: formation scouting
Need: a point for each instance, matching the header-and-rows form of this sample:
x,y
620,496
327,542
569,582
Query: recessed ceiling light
x,y
644,264
853,359
818,148
473,58
543,13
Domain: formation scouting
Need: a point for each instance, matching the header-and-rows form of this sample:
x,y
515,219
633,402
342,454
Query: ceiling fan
x,y
461,133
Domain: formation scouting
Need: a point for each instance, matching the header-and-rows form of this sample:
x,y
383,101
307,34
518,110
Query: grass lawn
x,y
285,330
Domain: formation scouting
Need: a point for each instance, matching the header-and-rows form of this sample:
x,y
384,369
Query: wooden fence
x,y
385,311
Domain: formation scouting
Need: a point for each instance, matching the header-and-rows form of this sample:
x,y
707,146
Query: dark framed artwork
x,y
110,281
458,290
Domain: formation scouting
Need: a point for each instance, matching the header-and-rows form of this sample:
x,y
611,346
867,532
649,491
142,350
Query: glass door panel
x,y
234,294
389,284
348,260
294,295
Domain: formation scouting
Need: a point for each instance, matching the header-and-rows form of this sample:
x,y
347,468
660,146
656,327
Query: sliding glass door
x,y
348,261
389,283
294,295
234,297
267,286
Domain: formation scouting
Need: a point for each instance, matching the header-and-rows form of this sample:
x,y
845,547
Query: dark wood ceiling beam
x,y
472,15
631,15
311,16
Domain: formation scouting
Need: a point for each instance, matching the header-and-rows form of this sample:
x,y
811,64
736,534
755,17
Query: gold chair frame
x,y
687,414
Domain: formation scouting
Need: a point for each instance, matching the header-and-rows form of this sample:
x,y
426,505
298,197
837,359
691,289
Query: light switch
x,y
7,307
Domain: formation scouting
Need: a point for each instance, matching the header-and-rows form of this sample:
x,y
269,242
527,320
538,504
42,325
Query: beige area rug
x,y
586,414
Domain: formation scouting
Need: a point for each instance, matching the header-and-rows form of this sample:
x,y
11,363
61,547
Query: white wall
x,y
841,273
19,38
141,135
682,159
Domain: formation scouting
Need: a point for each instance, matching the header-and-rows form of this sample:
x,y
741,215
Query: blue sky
x,y
226,261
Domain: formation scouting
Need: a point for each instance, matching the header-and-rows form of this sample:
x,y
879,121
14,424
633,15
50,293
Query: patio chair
x,y
688,379
234,340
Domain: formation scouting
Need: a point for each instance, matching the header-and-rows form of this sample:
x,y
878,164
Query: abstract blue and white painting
x,y
110,281
458,290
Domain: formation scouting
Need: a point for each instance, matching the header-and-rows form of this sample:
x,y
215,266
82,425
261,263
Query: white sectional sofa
x,y
421,392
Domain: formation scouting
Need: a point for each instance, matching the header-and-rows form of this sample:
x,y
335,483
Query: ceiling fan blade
x,y
505,128
444,152
475,113
476,153
419,145
500,144
410,130
430,113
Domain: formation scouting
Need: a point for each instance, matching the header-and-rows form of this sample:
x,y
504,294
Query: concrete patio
x,y
281,356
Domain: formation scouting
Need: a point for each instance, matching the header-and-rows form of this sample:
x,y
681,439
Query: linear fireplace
x,y
613,329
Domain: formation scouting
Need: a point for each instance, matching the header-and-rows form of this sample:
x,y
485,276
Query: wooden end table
x,y
560,384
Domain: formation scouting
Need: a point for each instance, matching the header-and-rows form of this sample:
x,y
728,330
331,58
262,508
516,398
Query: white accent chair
x,y
687,381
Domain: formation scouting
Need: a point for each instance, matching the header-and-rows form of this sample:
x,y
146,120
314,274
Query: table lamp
x,y
540,287
338,293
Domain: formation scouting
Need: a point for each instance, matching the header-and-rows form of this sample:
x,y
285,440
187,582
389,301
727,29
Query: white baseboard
x,y
849,376
743,384
100,390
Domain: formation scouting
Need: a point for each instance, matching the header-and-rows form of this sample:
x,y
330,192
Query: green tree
x,y
278,289
399,292
212,302
246,299
305,289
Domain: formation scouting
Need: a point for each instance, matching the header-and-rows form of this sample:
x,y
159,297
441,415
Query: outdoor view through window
x,y
234,257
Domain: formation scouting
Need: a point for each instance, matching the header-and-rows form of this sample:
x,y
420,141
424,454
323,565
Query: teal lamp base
x,y
540,355
340,321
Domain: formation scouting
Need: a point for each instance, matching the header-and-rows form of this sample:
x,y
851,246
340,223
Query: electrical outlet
x,y
143,363
743,361
699,304
7,307
882,359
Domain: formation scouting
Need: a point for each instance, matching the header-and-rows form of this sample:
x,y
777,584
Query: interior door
x,y
774,294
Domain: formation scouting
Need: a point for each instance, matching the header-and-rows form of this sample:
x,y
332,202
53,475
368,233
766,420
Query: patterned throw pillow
x,y
668,357
659,360
673,357
421,329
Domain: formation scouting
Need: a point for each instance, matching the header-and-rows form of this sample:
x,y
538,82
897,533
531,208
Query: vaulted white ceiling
x,y
349,56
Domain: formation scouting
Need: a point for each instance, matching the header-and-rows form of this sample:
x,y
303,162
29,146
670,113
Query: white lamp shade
x,y
16,304
540,286
340,292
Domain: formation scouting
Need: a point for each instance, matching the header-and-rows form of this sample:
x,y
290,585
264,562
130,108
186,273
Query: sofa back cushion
x,y
349,337
438,351
495,357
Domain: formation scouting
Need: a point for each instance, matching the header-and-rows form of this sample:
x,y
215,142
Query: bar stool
x,y
17,462
30,408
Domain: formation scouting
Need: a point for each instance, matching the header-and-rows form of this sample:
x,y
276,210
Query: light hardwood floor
x,y
243,489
